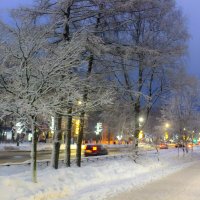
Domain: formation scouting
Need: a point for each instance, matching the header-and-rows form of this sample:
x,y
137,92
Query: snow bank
x,y
96,180
26,146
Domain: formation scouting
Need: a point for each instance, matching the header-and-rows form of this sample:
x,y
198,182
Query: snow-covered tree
x,y
129,45
68,17
34,78
154,44
180,109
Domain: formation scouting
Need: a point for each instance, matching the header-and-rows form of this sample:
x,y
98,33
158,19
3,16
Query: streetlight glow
x,y
141,119
79,102
167,125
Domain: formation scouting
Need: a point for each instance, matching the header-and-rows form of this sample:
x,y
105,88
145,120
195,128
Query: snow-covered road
x,y
182,185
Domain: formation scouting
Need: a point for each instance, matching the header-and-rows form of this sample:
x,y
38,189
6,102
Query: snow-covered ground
x,y
25,146
94,180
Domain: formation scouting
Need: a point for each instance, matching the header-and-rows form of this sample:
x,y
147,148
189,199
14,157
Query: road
x,y
21,156
182,185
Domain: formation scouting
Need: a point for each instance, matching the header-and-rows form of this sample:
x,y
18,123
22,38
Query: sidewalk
x,y
182,185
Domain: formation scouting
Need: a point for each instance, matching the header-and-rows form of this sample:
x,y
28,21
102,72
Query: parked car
x,y
95,150
163,146
178,145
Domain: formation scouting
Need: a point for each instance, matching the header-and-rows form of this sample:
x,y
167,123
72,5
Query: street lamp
x,y
79,103
141,119
167,125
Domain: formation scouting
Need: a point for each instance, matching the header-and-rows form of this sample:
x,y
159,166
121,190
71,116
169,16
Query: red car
x,y
95,150
163,146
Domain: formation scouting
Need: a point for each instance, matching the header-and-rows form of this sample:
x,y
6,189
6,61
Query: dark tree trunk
x,y
56,141
85,97
109,134
82,115
137,106
68,138
80,139
137,125
34,150
66,36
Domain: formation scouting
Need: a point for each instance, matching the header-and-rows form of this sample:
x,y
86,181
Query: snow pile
x,y
97,180
25,146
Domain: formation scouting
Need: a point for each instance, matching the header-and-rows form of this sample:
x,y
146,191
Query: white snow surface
x,y
94,180
25,146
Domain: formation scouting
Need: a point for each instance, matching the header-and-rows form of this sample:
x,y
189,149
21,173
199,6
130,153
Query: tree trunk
x,y
137,125
56,141
80,138
82,115
109,134
34,150
137,107
68,138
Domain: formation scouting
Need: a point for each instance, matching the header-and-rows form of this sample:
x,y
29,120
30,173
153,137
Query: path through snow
x,y
182,185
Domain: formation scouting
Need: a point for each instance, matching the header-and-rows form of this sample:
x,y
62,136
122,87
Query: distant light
x,y
166,136
167,125
141,135
141,119
30,135
52,127
19,127
77,126
119,137
195,140
99,128
79,103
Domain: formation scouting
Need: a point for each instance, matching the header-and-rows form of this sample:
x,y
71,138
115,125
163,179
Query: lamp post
x,y
192,139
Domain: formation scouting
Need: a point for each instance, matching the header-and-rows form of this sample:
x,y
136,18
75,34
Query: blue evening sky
x,y
190,10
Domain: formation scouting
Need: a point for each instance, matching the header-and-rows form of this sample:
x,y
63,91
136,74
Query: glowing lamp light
x,y
19,127
52,127
140,135
167,125
119,137
99,128
166,136
79,103
77,126
195,140
141,119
